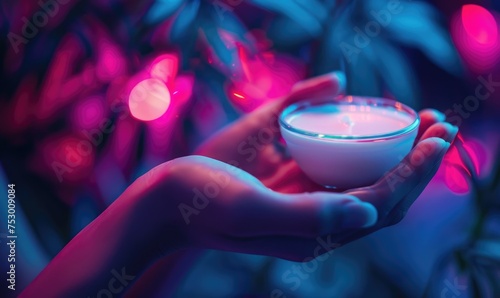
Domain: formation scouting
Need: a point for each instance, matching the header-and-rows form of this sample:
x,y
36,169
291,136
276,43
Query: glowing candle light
x,y
348,142
475,32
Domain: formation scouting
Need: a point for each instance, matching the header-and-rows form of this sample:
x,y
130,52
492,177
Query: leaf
x,y
184,21
231,23
418,8
488,248
475,282
362,75
285,32
417,26
329,55
396,72
495,182
309,15
493,281
467,160
227,56
161,10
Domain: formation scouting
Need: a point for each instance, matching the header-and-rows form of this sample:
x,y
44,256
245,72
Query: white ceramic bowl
x,y
348,141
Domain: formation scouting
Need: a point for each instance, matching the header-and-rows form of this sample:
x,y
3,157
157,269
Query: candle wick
x,y
346,120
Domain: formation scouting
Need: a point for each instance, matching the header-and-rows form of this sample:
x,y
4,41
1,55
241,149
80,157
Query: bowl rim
x,y
351,100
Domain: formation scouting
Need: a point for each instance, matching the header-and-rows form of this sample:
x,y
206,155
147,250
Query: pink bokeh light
x,y
479,24
66,158
456,175
475,32
149,99
266,76
89,113
165,67
111,63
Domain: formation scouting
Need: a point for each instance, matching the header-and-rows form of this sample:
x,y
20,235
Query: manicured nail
x,y
449,132
358,215
428,148
446,148
341,79
439,116
454,132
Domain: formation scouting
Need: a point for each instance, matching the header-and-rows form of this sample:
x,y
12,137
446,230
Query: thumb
x,y
302,215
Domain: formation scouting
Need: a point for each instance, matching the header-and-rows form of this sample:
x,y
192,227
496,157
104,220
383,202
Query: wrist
x,y
161,191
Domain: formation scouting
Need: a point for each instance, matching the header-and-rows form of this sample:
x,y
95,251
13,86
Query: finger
x,y
400,198
428,117
295,12
330,84
267,116
406,181
443,130
315,8
303,215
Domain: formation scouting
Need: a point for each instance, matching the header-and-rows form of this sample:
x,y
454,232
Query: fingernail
x,y
454,132
427,148
341,79
446,147
358,215
439,116
449,132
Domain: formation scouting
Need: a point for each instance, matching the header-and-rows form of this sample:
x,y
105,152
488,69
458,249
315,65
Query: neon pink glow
x,y
89,113
182,89
149,99
60,85
456,174
71,157
165,68
123,140
161,131
475,33
455,178
479,23
22,107
238,95
111,62
266,76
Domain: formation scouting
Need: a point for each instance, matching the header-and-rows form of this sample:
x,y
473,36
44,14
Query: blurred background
x,y
95,93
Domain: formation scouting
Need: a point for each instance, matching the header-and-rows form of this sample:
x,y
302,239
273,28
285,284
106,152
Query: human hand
x,y
234,211
201,202
253,143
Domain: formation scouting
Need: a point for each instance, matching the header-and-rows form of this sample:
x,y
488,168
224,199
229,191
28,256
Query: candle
x,y
348,142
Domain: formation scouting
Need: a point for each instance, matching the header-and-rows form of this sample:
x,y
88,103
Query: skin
x,y
264,206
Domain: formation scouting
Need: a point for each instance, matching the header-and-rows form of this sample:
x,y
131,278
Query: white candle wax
x,y
350,144
349,120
